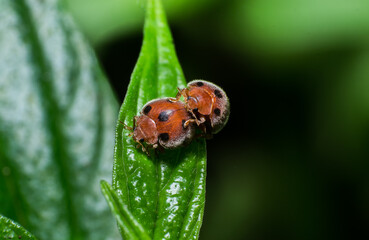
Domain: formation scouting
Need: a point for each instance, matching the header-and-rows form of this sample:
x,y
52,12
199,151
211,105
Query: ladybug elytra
x,y
169,123
163,123
208,104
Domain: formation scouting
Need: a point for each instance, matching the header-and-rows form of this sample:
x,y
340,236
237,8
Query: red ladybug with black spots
x,y
163,123
208,104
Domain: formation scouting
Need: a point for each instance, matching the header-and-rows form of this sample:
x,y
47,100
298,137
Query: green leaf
x,y
166,192
12,230
57,119
124,217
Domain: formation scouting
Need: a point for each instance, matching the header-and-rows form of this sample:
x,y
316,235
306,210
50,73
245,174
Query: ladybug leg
x,y
145,151
202,120
181,92
192,113
143,148
125,126
188,122
128,127
197,120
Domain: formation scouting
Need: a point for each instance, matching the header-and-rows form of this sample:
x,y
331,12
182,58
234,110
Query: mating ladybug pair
x,y
169,123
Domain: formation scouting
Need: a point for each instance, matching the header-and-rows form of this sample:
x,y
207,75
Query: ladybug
x,y
208,104
163,124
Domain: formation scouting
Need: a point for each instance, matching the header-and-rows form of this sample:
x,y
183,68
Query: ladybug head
x,y
145,131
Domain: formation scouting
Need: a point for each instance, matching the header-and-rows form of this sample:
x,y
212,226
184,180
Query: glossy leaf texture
x,y
166,191
125,219
57,119
12,230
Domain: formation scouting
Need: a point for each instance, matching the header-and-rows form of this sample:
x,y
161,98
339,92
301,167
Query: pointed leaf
x,y
165,193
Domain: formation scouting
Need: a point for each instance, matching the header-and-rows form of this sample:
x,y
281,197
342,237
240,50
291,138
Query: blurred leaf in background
x,y
286,27
57,119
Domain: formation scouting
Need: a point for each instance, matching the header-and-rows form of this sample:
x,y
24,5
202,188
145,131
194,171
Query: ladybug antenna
x,y
126,126
143,148
180,93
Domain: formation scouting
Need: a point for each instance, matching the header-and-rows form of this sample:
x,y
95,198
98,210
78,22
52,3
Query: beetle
x,y
207,103
163,123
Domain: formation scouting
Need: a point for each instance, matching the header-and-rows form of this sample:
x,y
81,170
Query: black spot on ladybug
x,y
183,122
142,140
217,93
164,116
164,136
217,111
200,84
147,109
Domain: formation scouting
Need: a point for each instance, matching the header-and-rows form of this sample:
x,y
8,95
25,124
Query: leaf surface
x,y
165,192
124,217
12,230
57,119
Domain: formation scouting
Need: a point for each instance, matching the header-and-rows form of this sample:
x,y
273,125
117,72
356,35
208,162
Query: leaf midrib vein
x,y
51,117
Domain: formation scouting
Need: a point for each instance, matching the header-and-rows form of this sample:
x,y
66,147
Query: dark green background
x,y
292,163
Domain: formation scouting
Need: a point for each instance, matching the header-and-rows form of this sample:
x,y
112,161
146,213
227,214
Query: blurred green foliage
x,y
287,27
102,20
